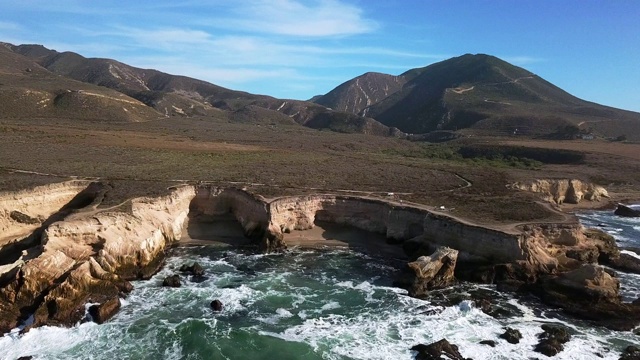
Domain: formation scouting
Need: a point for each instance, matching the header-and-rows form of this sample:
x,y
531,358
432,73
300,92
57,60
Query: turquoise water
x,y
329,304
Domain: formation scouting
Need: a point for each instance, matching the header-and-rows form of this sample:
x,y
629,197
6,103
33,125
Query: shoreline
x,y
323,235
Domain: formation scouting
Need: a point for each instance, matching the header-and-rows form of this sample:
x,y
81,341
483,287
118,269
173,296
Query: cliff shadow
x,y
29,247
219,229
330,234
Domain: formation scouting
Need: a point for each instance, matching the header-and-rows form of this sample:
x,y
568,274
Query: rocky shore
x,y
59,257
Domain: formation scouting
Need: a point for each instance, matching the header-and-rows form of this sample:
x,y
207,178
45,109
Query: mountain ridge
x,y
175,95
483,92
476,93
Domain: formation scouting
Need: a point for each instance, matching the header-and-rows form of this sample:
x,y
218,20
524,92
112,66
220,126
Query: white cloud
x,y
293,18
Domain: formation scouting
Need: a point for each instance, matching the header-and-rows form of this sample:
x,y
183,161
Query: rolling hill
x,y
475,93
27,90
173,95
480,92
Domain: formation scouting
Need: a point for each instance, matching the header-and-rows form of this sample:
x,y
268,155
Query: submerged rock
x,y
626,211
429,272
216,305
512,336
552,340
438,350
103,312
195,269
172,281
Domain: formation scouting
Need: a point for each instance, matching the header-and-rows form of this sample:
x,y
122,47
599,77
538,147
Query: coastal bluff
x,y
75,251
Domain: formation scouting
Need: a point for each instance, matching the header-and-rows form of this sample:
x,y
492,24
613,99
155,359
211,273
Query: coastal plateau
x,y
75,251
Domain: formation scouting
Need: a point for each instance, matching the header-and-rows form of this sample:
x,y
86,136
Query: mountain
x,y
361,92
480,92
27,90
173,95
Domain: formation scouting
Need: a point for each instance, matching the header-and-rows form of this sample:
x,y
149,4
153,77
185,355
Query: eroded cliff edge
x,y
87,254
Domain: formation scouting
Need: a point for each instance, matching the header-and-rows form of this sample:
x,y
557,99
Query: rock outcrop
x,y
429,272
90,255
626,211
552,340
103,312
195,269
590,292
89,258
512,336
216,305
438,350
561,191
22,212
172,281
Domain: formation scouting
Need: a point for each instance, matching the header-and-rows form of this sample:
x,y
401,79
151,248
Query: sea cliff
x,y
88,254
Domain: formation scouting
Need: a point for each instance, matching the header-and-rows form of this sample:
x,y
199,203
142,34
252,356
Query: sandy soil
x,y
332,235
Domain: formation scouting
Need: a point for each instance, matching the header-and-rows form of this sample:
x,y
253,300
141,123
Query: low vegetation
x,y
279,159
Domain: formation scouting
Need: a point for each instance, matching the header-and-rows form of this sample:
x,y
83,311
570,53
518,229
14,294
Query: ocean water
x,y
321,304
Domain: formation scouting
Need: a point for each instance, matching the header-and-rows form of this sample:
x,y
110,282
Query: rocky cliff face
x,y
89,258
24,211
90,255
300,213
559,191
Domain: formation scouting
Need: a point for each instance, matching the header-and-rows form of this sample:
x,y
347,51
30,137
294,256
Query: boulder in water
x,y
429,272
172,281
103,312
512,336
625,262
195,269
488,342
592,293
626,211
552,340
216,305
437,350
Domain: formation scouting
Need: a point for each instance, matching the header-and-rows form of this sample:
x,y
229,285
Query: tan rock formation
x,y
86,258
35,205
429,272
590,281
590,292
559,191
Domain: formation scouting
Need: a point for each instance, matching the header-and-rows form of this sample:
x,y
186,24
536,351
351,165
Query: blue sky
x,y
300,48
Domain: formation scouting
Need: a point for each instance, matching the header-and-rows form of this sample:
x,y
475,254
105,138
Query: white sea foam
x,y
331,305
333,327
275,318
631,253
390,336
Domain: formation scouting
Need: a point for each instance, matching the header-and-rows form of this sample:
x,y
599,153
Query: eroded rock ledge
x,y
559,191
88,254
